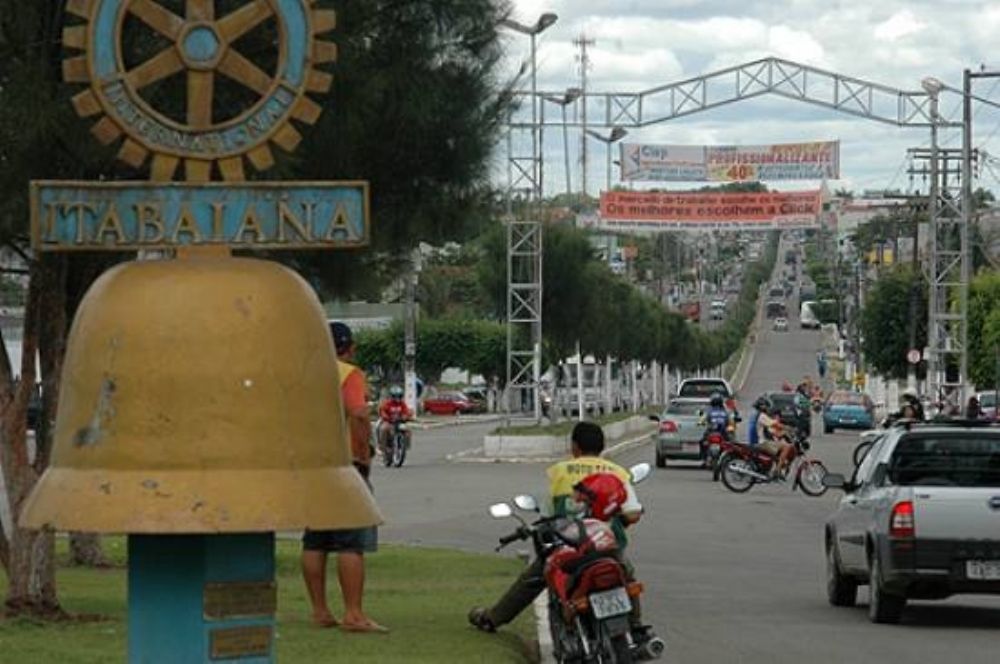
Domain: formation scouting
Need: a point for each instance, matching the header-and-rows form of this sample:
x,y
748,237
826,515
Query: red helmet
x,y
604,494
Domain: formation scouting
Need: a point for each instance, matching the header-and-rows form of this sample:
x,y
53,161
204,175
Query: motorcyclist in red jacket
x,y
392,410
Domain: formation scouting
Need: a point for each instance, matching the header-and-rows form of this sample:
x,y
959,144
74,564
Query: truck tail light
x,y
901,523
668,426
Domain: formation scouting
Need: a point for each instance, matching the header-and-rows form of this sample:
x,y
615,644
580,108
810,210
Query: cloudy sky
x,y
642,44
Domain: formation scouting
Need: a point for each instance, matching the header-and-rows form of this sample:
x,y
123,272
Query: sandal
x,y
480,619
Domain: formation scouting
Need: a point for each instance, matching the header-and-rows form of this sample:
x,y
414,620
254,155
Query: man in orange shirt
x,y
350,545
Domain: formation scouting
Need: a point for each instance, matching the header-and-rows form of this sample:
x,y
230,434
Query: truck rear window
x,y
702,389
967,461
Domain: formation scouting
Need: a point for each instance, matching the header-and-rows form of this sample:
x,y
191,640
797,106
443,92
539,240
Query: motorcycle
x,y
718,449
742,466
590,596
714,444
397,445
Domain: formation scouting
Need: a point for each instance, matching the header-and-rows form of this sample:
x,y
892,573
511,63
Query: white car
x,y
781,325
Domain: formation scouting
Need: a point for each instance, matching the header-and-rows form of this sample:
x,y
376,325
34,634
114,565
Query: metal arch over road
x,y
950,207
774,76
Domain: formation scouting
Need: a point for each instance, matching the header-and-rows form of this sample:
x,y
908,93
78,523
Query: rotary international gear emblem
x,y
206,83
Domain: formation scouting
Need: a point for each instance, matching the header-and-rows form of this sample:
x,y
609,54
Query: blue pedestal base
x,y
201,598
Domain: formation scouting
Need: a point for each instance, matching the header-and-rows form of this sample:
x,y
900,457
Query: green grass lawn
x,y
421,594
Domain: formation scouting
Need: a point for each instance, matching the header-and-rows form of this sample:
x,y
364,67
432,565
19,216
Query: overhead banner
x,y
644,211
731,163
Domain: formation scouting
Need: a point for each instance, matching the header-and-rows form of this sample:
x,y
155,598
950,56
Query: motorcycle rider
x,y
586,446
767,434
717,419
911,406
392,410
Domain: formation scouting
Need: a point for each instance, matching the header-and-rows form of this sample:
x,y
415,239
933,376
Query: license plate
x,y
692,447
983,570
609,603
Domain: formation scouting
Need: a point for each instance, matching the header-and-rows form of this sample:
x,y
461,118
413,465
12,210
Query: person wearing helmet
x,y
767,434
566,478
910,406
716,419
392,410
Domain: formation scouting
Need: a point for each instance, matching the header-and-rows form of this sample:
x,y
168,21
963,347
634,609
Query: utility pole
x,y
410,332
583,42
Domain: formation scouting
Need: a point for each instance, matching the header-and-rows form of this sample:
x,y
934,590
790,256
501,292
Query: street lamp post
x,y
524,256
570,96
617,133
544,22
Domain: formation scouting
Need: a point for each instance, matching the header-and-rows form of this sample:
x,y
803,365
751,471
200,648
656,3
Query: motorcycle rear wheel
x,y
611,649
734,473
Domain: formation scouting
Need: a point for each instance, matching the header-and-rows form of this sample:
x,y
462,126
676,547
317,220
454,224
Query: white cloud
x,y
902,24
642,44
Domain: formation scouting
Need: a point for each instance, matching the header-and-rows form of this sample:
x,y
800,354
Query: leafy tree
x,y
415,110
476,346
983,326
897,301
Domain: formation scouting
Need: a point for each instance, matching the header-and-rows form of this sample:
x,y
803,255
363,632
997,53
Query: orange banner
x,y
651,211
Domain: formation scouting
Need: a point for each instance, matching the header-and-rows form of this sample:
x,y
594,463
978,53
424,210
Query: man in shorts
x,y
350,545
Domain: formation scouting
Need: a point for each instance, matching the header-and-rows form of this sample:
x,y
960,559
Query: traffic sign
x,y
913,356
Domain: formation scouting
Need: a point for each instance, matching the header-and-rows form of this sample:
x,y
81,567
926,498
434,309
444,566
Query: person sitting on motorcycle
x,y
586,446
767,434
910,408
717,419
910,405
392,410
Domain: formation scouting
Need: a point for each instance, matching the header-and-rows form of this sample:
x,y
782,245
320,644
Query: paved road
x,y
730,578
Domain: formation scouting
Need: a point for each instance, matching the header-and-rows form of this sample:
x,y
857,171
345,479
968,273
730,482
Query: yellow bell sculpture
x,y
200,396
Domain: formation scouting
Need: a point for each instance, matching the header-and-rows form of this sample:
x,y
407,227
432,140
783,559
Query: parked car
x,y
477,394
919,519
844,409
789,413
781,324
988,404
681,430
448,403
717,309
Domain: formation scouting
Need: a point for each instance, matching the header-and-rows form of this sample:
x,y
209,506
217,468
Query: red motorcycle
x,y
590,596
714,445
742,466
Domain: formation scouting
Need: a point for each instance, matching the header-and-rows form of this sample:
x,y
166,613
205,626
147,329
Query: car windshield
x,y
967,459
684,408
847,399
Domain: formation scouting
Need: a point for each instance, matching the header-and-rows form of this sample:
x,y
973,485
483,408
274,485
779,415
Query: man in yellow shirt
x,y
349,545
586,445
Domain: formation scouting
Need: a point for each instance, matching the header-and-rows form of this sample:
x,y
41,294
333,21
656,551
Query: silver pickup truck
x,y
919,519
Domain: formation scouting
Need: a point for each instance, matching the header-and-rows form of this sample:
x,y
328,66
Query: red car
x,y
448,403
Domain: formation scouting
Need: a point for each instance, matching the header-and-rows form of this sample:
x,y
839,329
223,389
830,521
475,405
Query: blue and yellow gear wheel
x,y
204,49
